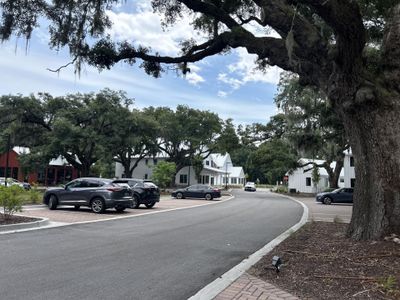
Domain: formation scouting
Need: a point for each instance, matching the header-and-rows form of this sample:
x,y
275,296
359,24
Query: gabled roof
x,y
321,170
21,150
235,171
219,159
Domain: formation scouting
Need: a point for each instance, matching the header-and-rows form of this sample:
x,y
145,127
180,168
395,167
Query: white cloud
x,y
245,67
233,82
222,94
245,70
144,28
194,78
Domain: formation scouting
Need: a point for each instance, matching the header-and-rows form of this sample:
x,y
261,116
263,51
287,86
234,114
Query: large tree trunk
x,y
375,142
369,105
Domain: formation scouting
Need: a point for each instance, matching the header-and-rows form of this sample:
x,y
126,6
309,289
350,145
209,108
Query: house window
x,y
341,180
351,161
146,176
352,182
234,180
207,163
308,181
205,179
2,171
155,161
183,178
146,161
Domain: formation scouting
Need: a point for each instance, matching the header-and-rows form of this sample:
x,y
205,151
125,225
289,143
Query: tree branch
x,y
344,17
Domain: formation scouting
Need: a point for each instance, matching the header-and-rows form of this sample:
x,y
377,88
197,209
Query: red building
x,y
57,172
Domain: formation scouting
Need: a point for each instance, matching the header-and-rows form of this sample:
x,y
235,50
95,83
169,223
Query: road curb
x,y
218,285
17,227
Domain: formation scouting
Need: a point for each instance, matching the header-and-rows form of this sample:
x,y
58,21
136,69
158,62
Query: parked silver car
x,y
96,193
12,181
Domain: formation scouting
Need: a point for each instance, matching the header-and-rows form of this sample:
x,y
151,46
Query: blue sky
x,y
226,84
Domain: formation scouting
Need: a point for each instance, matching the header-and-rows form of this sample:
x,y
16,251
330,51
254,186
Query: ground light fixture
x,y
277,262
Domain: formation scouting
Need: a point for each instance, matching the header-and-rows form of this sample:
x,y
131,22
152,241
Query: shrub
x,y
10,200
34,194
163,173
281,189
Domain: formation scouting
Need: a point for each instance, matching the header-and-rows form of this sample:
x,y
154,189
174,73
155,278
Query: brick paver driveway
x,y
67,214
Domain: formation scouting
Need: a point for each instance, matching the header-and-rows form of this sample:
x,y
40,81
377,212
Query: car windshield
x,y
337,190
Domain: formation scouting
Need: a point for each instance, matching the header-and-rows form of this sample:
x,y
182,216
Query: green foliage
x,y
133,135
163,173
103,168
281,189
228,140
185,133
10,200
35,196
389,284
310,123
315,176
197,164
274,158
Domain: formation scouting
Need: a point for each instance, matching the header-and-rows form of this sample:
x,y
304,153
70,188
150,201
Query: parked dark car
x,y
144,191
342,195
96,193
197,191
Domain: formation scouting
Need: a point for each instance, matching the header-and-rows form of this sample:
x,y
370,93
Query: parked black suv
x,y
97,193
144,192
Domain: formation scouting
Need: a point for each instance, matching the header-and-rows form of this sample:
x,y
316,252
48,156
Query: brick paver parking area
x,y
67,214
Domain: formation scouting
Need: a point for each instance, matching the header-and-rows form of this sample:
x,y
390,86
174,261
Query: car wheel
x,y
135,202
53,201
208,196
119,209
150,205
179,195
327,200
97,205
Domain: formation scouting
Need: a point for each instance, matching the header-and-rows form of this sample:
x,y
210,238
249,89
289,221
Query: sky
x,y
228,84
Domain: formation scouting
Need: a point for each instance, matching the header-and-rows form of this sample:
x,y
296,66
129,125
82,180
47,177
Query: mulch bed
x,y
15,220
319,262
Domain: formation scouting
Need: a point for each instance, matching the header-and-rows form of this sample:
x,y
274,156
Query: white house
x,y
217,169
301,180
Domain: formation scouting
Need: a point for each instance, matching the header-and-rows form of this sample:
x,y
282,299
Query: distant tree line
x,y
93,131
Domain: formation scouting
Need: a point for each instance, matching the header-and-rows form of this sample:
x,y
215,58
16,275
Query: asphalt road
x,y
169,255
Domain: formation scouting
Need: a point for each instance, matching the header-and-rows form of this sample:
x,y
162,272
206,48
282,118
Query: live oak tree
x,y
349,49
312,126
134,135
185,134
